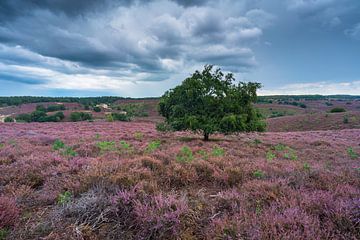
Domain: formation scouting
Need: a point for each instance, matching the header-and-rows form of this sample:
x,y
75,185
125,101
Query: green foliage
x,y
280,147
306,167
138,136
302,105
290,154
84,100
152,146
64,198
259,174
54,108
185,155
209,102
203,153
3,233
80,116
270,156
257,141
345,119
58,144
328,104
337,110
106,146
65,150
163,127
24,117
218,151
352,154
68,152
97,109
2,145
118,117
8,119
124,145
134,109
51,108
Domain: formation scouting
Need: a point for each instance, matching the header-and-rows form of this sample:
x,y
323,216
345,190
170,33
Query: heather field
x,y
125,180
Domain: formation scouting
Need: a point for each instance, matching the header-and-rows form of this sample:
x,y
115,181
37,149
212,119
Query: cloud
x,y
353,32
323,88
132,41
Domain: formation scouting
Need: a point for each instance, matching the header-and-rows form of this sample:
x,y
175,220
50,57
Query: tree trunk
x,y
206,136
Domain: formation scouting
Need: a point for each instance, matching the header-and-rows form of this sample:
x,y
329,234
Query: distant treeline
x,y
18,100
287,98
91,101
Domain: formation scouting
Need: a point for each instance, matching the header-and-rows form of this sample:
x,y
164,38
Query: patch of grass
x,y
270,156
306,167
352,154
106,146
3,233
138,136
257,141
64,198
203,153
152,146
279,147
259,174
124,145
2,145
218,151
290,154
68,152
185,155
58,144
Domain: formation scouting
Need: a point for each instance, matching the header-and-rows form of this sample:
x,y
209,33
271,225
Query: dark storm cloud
x,y
104,43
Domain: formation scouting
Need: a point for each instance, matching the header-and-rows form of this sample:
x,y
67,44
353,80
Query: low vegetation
x,y
109,182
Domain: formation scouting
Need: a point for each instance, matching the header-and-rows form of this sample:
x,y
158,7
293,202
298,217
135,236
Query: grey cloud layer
x,y
136,40
157,37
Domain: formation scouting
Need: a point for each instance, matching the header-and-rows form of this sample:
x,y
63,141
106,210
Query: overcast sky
x,y
142,48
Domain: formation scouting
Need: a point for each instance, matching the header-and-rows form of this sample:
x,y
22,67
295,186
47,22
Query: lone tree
x,y
210,102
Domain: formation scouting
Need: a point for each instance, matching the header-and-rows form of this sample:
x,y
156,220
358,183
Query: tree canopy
x,y
209,101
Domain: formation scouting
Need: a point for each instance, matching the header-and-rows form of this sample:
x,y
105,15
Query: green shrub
x,y
24,117
185,155
80,116
218,151
58,144
64,198
97,109
124,145
279,147
120,117
337,110
345,119
306,167
138,136
302,105
259,174
106,146
68,152
8,119
270,156
352,154
3,233
204,154
163,127
152,146
54,108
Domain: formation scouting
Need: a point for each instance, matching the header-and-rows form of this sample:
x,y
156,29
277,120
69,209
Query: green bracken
x,y
185,155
